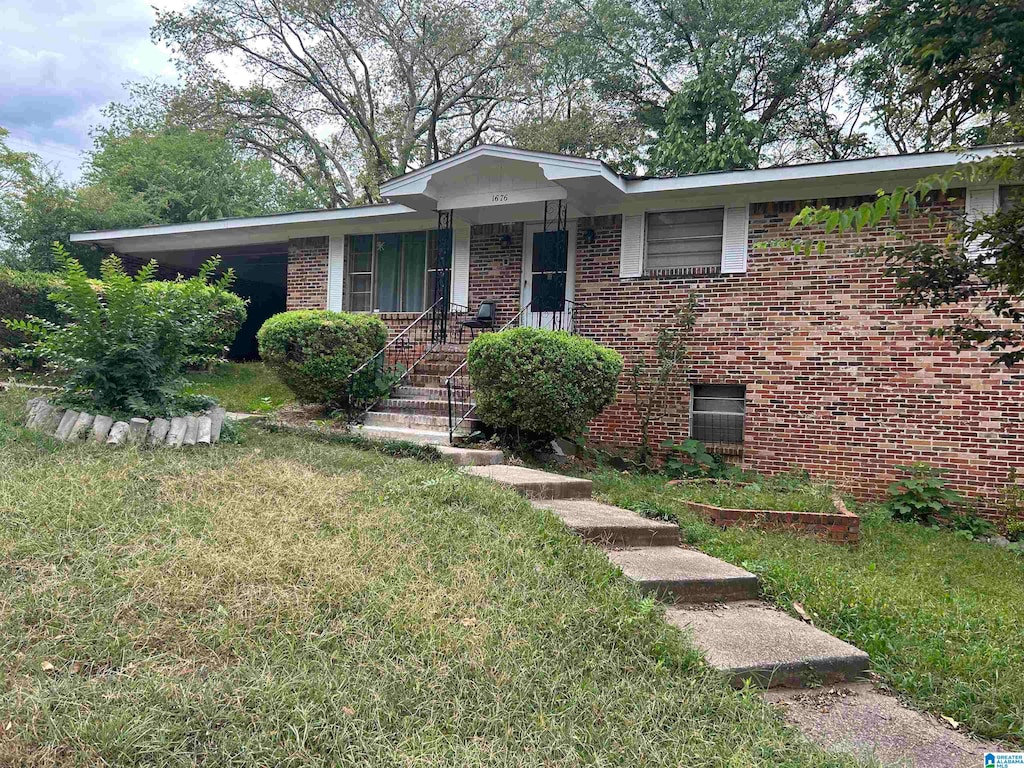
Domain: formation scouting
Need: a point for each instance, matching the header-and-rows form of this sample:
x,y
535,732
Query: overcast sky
x,y
61,61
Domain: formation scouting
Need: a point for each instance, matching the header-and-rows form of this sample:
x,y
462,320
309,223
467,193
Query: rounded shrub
x,y
314,351
216,312
543,383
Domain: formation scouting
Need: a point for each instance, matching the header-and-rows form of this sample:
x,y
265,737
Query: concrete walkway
x,y
744,639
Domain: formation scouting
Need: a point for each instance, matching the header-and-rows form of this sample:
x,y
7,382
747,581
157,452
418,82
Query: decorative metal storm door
x,y
442,278
550,262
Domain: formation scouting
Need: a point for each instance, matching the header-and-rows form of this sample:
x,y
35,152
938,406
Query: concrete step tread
x,y
535,483
401,433
471,457
685,575
752,640
612,526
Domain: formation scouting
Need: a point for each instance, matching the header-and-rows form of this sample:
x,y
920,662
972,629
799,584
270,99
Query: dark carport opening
x,y
261,276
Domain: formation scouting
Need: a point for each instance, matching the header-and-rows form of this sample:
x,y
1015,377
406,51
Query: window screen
x,y
717,413
680,240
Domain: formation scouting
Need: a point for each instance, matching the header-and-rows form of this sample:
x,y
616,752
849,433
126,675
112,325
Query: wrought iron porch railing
x,y
373,380
458,386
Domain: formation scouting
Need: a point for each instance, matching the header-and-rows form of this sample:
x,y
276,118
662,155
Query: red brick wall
x,y
840,381
495,269
307,273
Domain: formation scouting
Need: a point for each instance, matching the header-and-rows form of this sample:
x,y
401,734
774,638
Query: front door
x,y
549,276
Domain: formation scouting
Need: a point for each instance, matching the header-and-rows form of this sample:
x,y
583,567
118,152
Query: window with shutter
x,y
680,242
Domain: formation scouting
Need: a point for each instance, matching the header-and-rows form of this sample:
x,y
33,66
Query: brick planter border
x,y
839,527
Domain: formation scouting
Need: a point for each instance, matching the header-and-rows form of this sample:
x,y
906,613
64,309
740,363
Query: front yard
x,y
941,617
289,603
244,387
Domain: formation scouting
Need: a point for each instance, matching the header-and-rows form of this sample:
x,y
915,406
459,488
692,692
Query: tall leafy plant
x,y
123,344
649,383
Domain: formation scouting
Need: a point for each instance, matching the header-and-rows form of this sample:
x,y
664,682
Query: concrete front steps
x,y
712,600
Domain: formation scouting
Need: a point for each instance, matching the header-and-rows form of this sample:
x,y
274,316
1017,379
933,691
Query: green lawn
x,y
244,387
941,617
295,603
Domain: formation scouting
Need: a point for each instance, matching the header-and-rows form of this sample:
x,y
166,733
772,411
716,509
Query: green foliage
x,y
215,312
314,351
691,459
649,385
970,525
539,382
922,496
1015,529
706,129
24,295
123,344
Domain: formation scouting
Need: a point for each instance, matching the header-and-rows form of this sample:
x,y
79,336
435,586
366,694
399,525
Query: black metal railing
x,y
458,386
374,379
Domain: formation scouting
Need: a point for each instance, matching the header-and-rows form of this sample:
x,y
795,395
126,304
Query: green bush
x,y
314,351
124,342
541,383
922,496
217,313
24,295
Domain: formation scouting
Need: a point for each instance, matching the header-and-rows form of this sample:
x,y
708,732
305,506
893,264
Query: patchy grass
x,y
940,616
785,494
295,603
244,387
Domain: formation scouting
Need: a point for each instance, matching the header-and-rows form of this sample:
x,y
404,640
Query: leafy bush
x,y
1015,529
690,458
24,295
970,526
124,342
922,496
542,383
314,351
217,313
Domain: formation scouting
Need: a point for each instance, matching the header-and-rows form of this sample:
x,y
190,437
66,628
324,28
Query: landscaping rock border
x,y
839,527
69,425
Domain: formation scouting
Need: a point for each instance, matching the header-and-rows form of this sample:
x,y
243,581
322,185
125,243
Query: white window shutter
x,y
734,239
981,202
631,255
460,264
335,272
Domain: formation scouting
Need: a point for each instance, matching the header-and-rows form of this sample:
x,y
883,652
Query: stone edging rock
x,y
69,425
839,527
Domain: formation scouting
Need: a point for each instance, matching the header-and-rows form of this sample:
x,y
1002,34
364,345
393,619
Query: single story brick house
x,y
798,361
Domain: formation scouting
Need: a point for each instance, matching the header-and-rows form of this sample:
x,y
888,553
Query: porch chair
x,y
486,318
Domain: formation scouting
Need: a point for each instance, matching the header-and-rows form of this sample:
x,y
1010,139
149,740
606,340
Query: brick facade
x,y
839,380
307,273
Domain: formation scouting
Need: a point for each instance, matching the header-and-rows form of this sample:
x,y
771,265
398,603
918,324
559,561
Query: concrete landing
x,y
534,483
858,719
611,526
749,640
400,433
685,575
470,457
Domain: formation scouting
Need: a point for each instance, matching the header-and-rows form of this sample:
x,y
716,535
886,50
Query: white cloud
x,y
62,61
